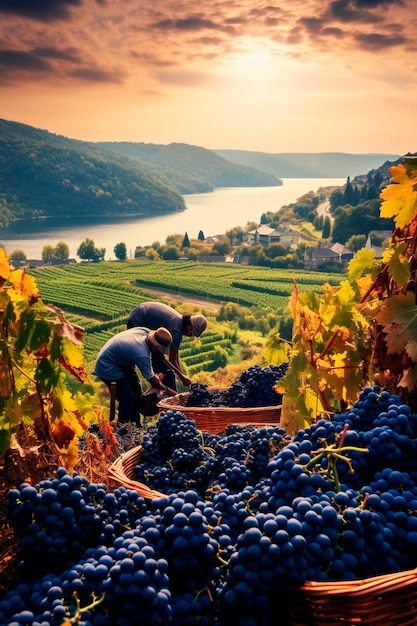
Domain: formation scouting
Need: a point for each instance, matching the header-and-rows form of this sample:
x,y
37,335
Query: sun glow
x,y
253,57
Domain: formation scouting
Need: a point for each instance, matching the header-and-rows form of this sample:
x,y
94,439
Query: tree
x,y
120,251
17,256
325,233
348,195
264,219
48,253
356,242
200,236
170,253
222,247
88,252
186,241
62,251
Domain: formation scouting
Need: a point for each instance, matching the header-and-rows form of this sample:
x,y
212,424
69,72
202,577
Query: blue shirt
x,y
124,351
153,315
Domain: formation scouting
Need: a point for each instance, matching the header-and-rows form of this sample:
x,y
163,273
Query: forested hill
x,y
204,169
43,174
309,164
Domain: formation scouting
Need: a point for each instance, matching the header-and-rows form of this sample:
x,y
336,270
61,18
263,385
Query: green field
x,y
99,296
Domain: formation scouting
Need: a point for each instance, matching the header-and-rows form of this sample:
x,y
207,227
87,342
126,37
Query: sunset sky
x,y
273,76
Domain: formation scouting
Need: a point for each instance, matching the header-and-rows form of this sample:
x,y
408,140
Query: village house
x,y
378,240
336,254
265,236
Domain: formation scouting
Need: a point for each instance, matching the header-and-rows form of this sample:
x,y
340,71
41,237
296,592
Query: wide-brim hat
x,y
161,338
198,324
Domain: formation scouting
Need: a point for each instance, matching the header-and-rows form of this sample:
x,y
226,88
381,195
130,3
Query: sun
x,y
252,57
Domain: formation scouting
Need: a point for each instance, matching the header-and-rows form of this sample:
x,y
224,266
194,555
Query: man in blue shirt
x,y
117,360
155,314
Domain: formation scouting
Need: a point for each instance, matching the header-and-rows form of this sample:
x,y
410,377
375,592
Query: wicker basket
x,y
123,469
215,420
388,600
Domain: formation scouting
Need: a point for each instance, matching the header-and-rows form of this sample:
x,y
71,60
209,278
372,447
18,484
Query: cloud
x,y
377,41
42,10
97,75
18,65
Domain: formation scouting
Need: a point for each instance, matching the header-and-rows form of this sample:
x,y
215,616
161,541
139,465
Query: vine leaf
x,y
399,321
396,258
400,201
25,284
5,269
361,263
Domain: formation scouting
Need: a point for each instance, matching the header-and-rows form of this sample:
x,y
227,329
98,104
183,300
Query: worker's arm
x,y
158,384
175,362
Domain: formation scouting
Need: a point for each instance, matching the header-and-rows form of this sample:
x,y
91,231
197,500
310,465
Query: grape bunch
x,y
246,515
177,456
255,387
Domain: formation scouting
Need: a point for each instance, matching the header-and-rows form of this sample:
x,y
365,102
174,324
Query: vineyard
x,y
99,296
248,524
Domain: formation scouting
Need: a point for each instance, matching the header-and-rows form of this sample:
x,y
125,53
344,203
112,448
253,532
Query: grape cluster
x,y
260,512
255,387
178,456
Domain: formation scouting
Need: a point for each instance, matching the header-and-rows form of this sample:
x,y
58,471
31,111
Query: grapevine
x,y
40,349
363,331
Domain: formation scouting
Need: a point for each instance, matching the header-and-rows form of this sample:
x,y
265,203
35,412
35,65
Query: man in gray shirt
x,y
155,314
117,360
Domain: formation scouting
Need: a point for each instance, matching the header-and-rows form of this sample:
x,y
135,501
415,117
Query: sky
x,y
269,76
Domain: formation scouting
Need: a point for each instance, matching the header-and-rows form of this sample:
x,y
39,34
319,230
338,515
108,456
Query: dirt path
x,y
181,299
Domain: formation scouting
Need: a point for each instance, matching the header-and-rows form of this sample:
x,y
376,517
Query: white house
x,y
265,235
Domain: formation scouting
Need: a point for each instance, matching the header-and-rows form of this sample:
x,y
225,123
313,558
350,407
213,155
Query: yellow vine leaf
x,y
69,457
25,284
399,321
397,261
6,372
276,350
5,269
400,198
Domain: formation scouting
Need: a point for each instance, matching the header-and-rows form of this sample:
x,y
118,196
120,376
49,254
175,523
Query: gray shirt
x,y
153,315
123,351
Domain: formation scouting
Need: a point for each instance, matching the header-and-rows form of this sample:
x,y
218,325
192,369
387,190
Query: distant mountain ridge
x,y
48,175
203,167
309,165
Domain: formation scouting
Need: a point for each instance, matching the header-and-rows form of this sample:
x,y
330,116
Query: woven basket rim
x,y
173,402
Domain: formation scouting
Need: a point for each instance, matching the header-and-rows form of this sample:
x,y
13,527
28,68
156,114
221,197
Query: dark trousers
x,y
128,395
159,366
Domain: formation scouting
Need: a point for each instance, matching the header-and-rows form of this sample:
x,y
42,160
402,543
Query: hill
x,y
48,175
205,169
308,165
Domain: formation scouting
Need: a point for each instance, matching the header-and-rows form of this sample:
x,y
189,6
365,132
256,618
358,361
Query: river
x,y
213,213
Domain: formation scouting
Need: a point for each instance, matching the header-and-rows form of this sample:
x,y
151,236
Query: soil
x,y
182,299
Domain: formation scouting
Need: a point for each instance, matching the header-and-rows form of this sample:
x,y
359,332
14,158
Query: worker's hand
x,y
170,392
186,381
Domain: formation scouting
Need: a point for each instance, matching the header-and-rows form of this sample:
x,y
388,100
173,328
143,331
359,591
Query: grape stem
x,y
334,453
80,610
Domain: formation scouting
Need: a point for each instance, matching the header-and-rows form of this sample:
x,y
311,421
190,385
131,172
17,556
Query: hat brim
x,y
156,344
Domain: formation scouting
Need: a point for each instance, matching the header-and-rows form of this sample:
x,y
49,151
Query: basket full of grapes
x,y
252,398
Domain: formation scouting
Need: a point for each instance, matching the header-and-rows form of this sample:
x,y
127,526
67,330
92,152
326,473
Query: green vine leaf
x,y
396,259
361,264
